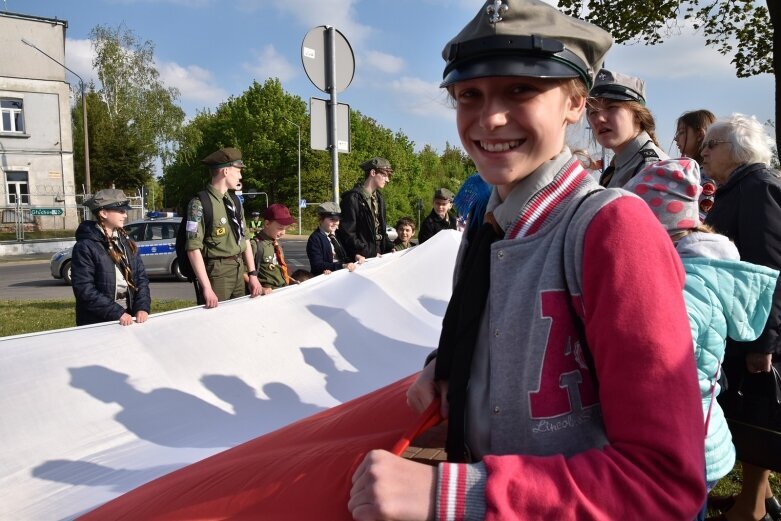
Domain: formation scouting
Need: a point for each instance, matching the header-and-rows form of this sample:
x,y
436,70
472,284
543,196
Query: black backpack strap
x,y
208,212
208,215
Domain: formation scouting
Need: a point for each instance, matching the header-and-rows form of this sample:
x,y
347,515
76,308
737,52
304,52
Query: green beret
x,y
614,85
525,38
375,163
224,157
108,199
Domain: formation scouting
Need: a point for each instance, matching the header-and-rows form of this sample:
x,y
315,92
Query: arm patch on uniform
x,y
194,217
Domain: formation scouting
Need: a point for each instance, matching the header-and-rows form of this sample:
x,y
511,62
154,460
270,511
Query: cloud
x,y
79,55
271,64
311,13
383,62
194,83
467,5
421,98
680,57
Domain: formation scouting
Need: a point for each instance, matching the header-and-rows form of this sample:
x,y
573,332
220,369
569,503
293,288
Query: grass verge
x,y
19,317
731,483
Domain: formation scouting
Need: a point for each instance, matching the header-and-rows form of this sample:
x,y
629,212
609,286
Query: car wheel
x,y
177,272
66,272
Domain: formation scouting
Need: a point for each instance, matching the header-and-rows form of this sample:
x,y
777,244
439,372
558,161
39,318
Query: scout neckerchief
x,y
281,261
459,331
236,225
118,254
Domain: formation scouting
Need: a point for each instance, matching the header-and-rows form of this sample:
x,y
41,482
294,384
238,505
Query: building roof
x,y
21,16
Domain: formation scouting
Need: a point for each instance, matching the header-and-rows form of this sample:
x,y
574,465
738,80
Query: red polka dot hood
x,y
671,188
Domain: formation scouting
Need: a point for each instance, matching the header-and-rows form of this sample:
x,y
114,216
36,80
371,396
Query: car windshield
x,y
135,231
160,230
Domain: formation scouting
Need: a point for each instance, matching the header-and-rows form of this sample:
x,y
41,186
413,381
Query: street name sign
x,y
46,211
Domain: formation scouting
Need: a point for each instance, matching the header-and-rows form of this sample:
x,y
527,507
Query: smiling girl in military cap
x,y
564,364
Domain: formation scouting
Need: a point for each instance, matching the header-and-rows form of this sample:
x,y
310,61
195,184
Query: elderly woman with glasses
x,y
736,154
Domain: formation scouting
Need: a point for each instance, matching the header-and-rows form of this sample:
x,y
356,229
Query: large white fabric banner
x,y
89,413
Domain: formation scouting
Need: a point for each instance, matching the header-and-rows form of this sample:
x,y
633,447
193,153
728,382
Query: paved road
x,y
32,280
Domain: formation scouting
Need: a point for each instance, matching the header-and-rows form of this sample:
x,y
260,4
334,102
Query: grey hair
x,y
748,140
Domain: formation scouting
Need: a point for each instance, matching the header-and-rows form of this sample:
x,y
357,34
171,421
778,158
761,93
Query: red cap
x,y
279,213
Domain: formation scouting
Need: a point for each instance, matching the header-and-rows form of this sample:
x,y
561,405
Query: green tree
x,y
743,29
133,118
261,122
258,123
116,156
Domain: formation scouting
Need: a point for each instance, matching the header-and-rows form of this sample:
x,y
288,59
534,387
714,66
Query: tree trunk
x,y
774,7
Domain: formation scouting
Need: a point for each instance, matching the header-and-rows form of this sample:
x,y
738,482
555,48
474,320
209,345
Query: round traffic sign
x,y
314,55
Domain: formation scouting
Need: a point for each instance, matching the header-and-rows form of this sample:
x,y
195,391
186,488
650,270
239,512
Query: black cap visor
x,y
531,56
616,92
122,205
509,65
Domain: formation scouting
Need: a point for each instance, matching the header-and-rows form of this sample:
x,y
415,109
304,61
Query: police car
x,y
156,240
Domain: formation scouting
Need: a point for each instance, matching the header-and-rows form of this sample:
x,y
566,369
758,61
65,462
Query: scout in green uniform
x,y
405,228
218,255
269,258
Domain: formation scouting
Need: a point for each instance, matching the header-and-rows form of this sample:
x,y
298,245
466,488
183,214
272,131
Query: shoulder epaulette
x,y
649,153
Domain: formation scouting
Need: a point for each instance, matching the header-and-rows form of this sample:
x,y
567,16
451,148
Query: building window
x,y
13,117
18,188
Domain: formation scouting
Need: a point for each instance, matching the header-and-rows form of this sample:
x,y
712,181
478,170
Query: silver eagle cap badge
x,y
496,10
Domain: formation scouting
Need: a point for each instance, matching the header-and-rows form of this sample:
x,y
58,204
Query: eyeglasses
x,y
711,144
385,173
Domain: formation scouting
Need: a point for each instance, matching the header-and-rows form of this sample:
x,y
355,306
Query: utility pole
x,y
299,172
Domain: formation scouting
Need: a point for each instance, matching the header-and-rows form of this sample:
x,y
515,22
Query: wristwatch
x,y
253,272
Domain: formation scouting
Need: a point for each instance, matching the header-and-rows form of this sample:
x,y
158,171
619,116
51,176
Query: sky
x,y
213,49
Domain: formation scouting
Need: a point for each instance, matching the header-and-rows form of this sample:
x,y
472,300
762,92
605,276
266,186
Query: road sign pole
x,y
322,47
333,136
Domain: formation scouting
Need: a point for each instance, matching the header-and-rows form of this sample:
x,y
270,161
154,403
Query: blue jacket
x,y
725,298
320,253
94,280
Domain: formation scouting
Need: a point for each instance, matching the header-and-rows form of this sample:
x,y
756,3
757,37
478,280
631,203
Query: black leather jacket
x,y
433,224
356,231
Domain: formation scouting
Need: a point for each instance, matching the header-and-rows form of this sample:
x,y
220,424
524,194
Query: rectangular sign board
x,y
320,123
45,211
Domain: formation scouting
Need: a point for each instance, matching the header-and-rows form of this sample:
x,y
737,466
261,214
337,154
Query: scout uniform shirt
x,y
219,241
399,246
269,272
638,153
